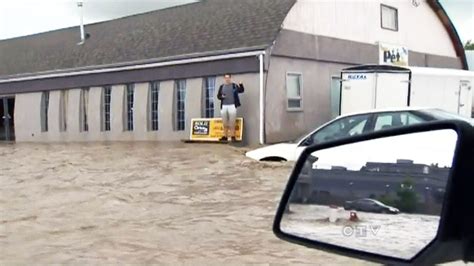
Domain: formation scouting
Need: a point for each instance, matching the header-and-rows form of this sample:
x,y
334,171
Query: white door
x,y
465,97
392,90
357,92
430,91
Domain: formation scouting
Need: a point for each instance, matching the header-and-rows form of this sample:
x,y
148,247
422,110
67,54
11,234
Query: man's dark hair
x,y
228,74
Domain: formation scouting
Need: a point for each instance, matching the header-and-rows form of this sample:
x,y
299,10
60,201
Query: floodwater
x,y
142,203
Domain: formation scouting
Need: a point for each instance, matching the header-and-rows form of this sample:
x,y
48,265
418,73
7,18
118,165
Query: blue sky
x,y
24,17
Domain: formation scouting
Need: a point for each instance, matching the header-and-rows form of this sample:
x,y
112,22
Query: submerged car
x,y
350,125
369,205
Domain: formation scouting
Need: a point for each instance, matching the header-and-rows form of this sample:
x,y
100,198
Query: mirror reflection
x,y
382,196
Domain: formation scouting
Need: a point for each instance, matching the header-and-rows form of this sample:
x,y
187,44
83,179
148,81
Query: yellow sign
x,y
211,129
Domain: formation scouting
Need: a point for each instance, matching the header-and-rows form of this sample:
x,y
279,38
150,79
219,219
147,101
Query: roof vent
x,y
84,36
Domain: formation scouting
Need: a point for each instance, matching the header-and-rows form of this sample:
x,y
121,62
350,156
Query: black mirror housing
x,y
455,235
307,141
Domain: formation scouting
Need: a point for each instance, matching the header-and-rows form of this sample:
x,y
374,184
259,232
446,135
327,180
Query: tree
x,y
407,197
388,200
469,45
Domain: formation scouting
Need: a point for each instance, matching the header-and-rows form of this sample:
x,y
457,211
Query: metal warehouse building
x,y
144,77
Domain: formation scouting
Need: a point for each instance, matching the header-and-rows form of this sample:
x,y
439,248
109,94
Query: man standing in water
x,y
228,94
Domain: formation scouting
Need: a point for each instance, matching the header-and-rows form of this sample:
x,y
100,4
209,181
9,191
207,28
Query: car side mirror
x,y
307,141
418,180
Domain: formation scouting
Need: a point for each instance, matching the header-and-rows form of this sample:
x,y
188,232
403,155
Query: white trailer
x,y
370,87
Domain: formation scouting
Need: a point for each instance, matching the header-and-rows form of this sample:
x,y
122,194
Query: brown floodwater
x,y
142,203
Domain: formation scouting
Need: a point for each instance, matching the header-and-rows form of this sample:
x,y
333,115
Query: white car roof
x,y
382,110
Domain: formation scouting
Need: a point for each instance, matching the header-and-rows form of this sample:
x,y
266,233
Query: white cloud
x,y
461,13
24,17
470,29
27,17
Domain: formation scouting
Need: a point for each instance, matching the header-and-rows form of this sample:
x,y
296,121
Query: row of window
x,y
179,106
293,88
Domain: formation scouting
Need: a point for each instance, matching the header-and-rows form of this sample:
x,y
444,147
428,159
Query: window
x,y
426,170
84,105
180,88
153,105
210,89
371,203
391,120
389,17
293,92
129,102
63,101
344,127
410,119
44,111
106,98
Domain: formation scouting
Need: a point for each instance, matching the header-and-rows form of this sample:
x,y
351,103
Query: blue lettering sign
x,y
357,76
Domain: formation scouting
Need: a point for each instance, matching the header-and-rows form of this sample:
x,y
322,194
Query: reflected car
x,y
350,125
369,205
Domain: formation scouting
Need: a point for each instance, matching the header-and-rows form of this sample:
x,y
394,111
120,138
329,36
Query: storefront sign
x,y
211,129
393,55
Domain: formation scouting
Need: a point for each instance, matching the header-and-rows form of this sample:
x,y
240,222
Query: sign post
x,y
212,129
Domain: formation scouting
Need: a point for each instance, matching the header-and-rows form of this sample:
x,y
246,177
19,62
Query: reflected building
x,y
374,180
404,166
